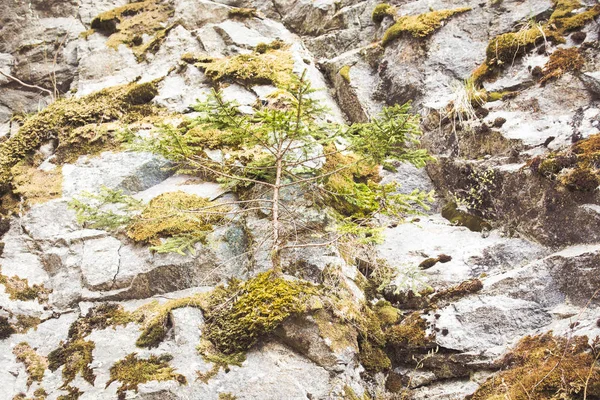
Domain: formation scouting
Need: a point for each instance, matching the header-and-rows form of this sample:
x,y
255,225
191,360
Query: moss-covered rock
x,y
75,354
35,365
545,367
133,371
129,23
239,314
271,67
57,121
419,26
19,289
560,62
242,13
174,214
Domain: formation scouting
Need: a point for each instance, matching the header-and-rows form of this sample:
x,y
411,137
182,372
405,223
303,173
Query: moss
x,y
173,214
386,313
239,314
581,179
133,371
76,353
129,23
381,11
345,73
272,67
75,357
338,335
6,329
350,394
19,289
26,322
463,289
428,263
544,367
73,393
576,167
157,319
35,365
409,334
243,13
227,396
276,44
462,218
495,96
206,138
38,394
60,118
192,58
419,26
506,48
36,186
560,62
373,358
219,360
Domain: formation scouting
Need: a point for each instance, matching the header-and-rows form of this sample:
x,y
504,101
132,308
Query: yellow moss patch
x,y
133,371
35,364
340,336
345,73
460,290
172,214
19,289
130,23
271,67
419,26
562,61
545,367
59,119
239,314
36,186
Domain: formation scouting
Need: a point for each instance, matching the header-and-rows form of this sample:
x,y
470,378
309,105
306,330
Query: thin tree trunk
x,y
276,250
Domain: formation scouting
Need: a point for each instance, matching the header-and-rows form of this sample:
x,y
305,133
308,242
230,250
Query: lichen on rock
x,y
35,364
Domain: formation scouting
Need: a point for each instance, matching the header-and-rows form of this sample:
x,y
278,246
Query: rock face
x,y
507,249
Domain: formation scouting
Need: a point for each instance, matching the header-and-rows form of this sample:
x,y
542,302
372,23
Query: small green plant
x,y
286,147
381,11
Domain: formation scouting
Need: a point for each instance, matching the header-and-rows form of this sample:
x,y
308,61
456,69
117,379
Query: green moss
x,y
129,23
219,360
373,358
339,335
133,371
174,214
495,96
192,58
419,26
73,393
19,289
546,367
59,119
35,365
506,48
239,314
227,396
272,67
75,354
242,13
156,318
345,73
409,334
75,357
381,11
386,313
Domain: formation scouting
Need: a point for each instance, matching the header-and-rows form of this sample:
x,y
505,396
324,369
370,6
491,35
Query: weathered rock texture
x,y
535,255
